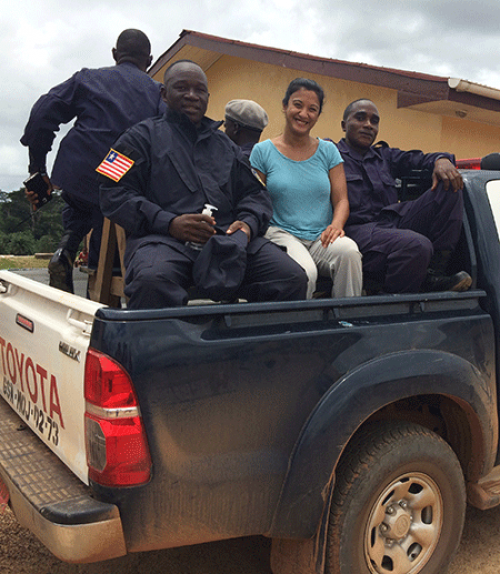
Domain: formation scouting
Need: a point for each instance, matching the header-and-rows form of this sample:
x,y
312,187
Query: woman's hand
x,y
330,234
340,204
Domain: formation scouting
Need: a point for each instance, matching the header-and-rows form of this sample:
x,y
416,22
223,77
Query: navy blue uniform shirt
x,y
105,102
371,177
177,169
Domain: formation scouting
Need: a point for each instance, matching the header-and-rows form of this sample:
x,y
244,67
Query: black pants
x,y
79,218
159,276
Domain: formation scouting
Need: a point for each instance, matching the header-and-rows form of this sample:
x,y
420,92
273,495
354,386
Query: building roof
x,y
425,92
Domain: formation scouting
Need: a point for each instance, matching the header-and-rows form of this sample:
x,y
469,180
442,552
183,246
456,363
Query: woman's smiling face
x,y
302,111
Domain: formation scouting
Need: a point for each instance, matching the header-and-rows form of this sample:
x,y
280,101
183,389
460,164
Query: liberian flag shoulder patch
x,y
115,165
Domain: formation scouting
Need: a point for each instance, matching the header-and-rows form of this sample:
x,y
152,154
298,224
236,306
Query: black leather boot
x,y
61,265
437,280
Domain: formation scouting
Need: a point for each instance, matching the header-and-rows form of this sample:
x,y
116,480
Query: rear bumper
x,y
52,502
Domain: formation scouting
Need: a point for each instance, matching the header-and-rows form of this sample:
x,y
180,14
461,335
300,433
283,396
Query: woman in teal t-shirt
x,y
305,178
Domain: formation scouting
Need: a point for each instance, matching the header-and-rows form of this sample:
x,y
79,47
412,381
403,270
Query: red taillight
x,y
469,163
117,449
107,385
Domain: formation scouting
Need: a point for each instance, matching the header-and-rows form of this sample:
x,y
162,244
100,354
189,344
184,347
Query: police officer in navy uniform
x,y
105,102
407,245
177,164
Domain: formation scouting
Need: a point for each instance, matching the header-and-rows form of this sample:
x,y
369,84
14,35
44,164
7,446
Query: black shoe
x,y
61,271
435,281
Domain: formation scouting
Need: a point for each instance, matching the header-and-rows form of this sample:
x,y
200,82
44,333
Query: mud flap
x,y
303,556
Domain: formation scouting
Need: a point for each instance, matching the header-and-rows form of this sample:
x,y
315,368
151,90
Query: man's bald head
x,y
184,65
185,90
133,46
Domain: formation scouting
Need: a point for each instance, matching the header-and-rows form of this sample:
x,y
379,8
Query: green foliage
x,y
21,243
4,243
47,244
24,232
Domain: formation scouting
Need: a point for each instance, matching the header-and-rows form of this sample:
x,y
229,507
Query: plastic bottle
x,y
207,210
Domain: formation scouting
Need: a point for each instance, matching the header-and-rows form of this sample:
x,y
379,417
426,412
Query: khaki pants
x,y
341,260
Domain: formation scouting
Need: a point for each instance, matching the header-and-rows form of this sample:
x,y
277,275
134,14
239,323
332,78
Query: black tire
x,y
398,505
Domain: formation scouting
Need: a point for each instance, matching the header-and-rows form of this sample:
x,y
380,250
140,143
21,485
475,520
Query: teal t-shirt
x,y
300,190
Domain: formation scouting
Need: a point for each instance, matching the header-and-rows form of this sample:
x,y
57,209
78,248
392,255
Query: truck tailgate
x,y
44,337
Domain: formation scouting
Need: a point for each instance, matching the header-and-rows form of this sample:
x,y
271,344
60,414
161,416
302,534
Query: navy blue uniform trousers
x,y
80,217
159,276
398,246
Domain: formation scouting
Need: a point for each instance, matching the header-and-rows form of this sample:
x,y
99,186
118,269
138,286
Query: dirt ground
x,y
21,553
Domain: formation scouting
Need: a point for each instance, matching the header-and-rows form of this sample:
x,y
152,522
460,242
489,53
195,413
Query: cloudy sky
x,y
45,41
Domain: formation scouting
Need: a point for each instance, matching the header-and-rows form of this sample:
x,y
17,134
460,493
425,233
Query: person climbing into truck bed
x,y
105,102
407,244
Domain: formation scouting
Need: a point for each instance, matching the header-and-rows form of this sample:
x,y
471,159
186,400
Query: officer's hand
x,y
446,172
236,225
32,196
194,227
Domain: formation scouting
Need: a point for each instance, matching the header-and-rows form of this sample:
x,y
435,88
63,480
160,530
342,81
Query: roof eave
x,y
414,89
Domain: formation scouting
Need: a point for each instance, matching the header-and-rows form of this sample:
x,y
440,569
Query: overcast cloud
x,y
43,43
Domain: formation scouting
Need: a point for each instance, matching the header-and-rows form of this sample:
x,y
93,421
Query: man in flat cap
x,y
244,123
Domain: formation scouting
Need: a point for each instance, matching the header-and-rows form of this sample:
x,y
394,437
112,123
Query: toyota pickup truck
x,y
352,432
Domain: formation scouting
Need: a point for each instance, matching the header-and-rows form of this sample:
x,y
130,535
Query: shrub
x,y
4,244
47,244
21,243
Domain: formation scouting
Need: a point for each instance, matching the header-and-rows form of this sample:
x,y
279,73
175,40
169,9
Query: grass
x,y
22,262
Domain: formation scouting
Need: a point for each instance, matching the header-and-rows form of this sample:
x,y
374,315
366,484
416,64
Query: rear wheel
x,y
398,505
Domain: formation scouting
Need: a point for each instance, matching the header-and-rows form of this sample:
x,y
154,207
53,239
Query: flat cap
x,y
247,113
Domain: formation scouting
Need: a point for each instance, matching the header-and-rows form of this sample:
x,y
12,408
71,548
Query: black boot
x,y
61,265
437,280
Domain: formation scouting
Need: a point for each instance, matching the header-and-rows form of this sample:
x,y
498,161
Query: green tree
x,y
17,217
21,243
47,244
4,243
